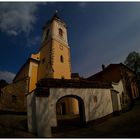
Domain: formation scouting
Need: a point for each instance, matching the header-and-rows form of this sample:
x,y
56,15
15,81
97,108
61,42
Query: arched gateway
x,y
70,111
58,102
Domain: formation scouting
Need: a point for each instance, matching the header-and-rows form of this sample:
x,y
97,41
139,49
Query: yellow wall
x,y
29,70
33,75
23,73
36,56
52,52
72,106
75,106
45,70
61,69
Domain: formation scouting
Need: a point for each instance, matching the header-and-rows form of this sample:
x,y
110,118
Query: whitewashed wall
x,y
93,110
116,101
43,109
31,113
119,87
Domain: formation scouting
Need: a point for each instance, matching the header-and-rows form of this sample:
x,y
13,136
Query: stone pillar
x,y
43,117
31,112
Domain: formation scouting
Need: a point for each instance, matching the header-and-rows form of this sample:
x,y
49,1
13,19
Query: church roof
x,y
25,64
54,17
44,85
82,83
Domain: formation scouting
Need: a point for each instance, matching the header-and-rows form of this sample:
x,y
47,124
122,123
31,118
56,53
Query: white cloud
x,y
17,17
8,76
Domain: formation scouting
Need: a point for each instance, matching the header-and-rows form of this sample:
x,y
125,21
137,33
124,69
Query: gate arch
x,y
70,110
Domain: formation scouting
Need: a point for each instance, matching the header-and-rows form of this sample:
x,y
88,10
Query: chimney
x,y
103,66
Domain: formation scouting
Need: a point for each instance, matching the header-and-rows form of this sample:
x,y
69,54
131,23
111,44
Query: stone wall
x,y
13,96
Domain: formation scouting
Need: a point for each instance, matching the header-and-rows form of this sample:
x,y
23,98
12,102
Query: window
x,y
43,60
95,99
61,59
60,32
14,98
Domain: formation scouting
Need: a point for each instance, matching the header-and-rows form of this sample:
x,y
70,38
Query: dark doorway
x,y
63,108
70,112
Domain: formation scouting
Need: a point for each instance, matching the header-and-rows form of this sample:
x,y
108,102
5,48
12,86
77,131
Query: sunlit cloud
x,y
8,76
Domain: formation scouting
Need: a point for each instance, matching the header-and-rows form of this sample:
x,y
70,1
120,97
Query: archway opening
x,y
70,111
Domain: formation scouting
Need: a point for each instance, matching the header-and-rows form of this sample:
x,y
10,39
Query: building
x,y
123,79
52,95
59,99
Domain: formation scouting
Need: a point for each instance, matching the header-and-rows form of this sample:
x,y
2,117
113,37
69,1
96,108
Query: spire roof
x,y
54,17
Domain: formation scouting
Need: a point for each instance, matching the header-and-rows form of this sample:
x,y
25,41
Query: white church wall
x,y
119,87
115,101
93,110
97,103
31,113
43,116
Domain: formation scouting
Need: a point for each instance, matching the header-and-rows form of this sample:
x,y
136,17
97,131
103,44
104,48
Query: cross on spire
x,y
56,13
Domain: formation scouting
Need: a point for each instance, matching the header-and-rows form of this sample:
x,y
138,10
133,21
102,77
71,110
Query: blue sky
x,y
98,33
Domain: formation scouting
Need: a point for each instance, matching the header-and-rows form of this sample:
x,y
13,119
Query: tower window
x,y
43,60
60,32
61,59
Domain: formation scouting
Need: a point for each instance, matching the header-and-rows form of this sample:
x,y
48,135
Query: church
x,y
51,94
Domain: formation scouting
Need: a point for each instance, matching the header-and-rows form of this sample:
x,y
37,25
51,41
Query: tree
x,y
133,61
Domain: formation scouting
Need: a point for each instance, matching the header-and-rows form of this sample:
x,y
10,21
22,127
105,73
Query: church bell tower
x,y
54,51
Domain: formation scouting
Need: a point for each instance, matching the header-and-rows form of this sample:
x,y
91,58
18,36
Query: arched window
x,y
60,32
61,59
43,60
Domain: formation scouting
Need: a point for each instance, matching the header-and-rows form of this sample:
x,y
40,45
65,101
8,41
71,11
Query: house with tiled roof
x,y
119,74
